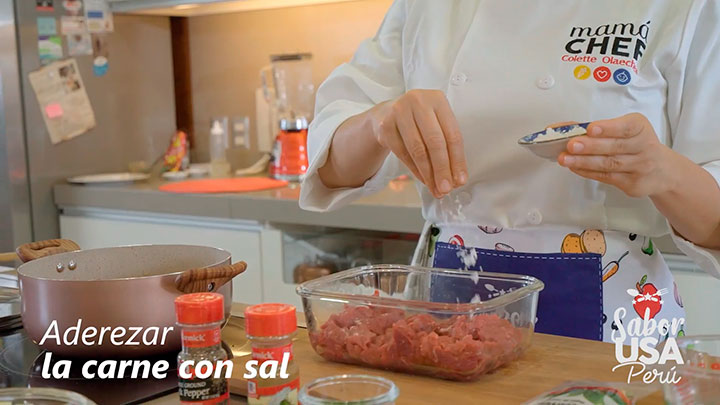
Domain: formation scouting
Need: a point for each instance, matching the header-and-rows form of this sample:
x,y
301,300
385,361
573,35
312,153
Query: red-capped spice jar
x,y
271,328
201,316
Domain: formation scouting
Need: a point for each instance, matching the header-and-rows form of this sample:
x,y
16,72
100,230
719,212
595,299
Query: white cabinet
x,y
105,228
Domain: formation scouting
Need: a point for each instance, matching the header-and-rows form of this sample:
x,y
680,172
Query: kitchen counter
x,y
550,361
395,209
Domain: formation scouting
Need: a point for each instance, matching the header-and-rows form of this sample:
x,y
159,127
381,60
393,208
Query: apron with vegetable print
x,y
588,273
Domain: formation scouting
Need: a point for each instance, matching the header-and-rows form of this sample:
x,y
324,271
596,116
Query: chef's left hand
x,y
624,152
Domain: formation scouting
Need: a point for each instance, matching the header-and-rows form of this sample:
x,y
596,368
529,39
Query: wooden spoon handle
x,y
208,279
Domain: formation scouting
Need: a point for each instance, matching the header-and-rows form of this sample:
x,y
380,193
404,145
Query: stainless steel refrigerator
x,y
133,103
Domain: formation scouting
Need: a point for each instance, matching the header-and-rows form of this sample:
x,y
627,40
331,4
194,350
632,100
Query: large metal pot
x,y
130,286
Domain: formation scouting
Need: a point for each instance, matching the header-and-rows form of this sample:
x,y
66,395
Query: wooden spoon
x,y
8,257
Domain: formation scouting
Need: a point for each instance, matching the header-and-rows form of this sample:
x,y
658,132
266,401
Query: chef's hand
x,y
421,130
624,152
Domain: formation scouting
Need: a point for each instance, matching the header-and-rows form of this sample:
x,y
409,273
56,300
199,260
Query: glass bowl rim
x,y
391,395
311,289
683,343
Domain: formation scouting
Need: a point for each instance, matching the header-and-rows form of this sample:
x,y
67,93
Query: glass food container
x,y
699,375
42,396
450,324
349,389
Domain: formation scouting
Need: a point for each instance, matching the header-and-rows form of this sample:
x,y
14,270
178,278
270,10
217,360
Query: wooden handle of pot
x,y
8,257
208,279
35,250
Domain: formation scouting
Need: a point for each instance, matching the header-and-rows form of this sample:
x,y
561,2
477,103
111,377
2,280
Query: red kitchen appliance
x,y
288,87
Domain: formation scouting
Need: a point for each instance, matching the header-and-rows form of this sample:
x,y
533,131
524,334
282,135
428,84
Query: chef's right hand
x,y
421,130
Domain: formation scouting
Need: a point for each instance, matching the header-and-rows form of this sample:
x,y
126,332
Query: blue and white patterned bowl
x,y
551,142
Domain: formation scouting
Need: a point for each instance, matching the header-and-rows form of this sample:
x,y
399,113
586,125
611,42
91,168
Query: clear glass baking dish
x,y
42,396
699,375
449,324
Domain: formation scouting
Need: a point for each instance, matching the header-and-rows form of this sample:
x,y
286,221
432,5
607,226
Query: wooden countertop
x,y
550,361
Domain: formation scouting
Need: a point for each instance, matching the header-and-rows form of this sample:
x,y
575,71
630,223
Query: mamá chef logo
x,y
608,51
642,335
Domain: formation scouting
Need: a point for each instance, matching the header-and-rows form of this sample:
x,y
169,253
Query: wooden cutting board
x,y
550,361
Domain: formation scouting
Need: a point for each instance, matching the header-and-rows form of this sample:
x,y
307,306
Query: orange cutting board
x,y
230,185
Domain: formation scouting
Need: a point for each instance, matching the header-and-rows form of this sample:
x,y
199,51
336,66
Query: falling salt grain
x,y
468,257
475,276
459,206
452,207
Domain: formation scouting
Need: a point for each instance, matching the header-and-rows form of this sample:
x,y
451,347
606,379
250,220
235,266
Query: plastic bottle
x,y
271,328
219,166
201,316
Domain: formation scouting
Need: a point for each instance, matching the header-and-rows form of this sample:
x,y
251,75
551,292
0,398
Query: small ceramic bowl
x,y
199,169
175,176
551,142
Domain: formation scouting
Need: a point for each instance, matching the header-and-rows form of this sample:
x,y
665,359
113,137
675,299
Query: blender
x,y
288,87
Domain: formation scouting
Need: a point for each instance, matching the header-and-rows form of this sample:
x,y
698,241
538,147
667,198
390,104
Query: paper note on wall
x,y
49,48
46,26
72,25
79,45
62,97
98,16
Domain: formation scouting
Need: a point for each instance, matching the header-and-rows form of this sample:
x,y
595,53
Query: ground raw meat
x,y
458,348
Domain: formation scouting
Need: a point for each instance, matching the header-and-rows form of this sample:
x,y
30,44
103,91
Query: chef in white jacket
x,y
445,89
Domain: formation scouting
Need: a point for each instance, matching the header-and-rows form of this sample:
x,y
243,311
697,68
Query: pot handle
x,y
208,279
35,250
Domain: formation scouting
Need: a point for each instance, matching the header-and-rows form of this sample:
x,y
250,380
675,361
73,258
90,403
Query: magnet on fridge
x,y
44,5
73,7
100,45
100,66
46,26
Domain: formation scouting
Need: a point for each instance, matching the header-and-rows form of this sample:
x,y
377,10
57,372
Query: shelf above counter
x,y
192,8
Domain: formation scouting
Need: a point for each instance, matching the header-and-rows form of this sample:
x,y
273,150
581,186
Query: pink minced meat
x,y
458,348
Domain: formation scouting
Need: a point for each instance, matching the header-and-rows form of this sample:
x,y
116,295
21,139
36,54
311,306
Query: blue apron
x,y
571,303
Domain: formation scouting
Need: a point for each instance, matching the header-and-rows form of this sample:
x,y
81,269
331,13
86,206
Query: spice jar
x,y
201,316
270,329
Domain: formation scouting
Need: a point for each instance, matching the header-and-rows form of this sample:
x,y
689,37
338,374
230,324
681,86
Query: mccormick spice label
x,y
208,391
278,381
196,390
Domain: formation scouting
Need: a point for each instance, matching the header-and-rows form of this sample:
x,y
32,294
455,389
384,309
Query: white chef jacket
x,y
530,64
